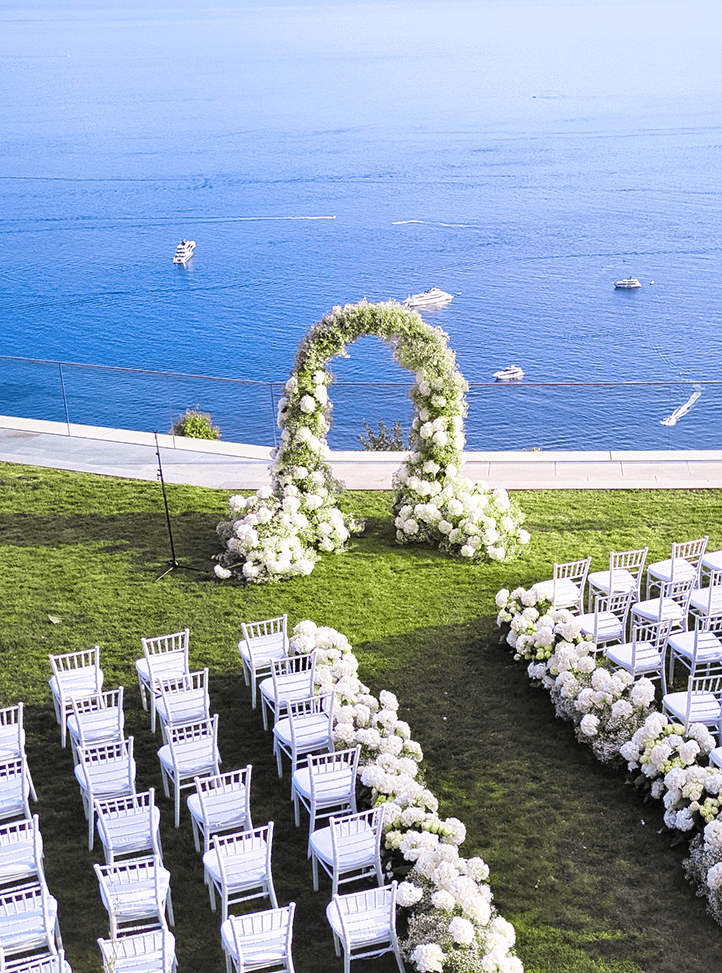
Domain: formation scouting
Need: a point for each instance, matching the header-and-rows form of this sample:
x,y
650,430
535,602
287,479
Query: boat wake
x,y
671,419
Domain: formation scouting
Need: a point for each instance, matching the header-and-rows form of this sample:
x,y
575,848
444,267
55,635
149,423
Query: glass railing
x,y
522,415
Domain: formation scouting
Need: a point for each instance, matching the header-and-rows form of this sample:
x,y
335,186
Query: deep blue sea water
x,y
521,155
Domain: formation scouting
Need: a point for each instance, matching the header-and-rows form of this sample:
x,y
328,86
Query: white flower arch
x,y
277,533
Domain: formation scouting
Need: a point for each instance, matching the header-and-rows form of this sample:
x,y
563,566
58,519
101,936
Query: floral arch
x,y
278,532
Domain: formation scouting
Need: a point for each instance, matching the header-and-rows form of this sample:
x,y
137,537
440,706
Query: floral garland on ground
x,y
615,715
453,925
277,533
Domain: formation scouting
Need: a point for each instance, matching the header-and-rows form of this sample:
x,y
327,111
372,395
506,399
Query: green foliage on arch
x,y
278,533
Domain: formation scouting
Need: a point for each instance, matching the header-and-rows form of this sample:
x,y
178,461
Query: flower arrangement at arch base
x,y
279,532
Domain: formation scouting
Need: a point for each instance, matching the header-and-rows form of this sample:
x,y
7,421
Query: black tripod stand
x,y
173,564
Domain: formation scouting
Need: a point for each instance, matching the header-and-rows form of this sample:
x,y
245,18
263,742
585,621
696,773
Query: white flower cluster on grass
x,y
443,889
615,715
278,533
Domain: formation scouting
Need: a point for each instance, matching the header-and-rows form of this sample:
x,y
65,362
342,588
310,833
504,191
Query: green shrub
x,y
196,425
386,438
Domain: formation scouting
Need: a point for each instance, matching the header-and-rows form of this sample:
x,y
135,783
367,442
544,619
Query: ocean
x,y
521,155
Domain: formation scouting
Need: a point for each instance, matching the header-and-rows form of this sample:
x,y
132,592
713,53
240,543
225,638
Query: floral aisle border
x,y
277,533
616,716
453,925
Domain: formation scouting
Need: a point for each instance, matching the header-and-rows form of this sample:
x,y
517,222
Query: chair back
x,y
266,633
21,850
139,878
367,918
128,824
244,844
613,604
193,741
680,592
304,716
12,733
571,571
167,654
152,950
77,673
709,683
185,698
350,834
45,963
292,674
648,635
14,788
98,717
630,562
225,797
27,909
324,767
690,551
259,934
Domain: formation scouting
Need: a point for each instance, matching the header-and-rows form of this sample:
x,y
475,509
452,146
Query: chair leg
x,y
143,697
196,840
169,910
211,892
177,804
272,893
314,866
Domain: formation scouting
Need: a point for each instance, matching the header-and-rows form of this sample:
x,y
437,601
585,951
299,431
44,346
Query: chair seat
x,y
137,899
715,757
567,592
77,682
97,726
187,707
358,852
311,731
662,570
110,778
257,952
707,601
163,668
25,931
242,871
364,928
129,832
192,759
12,799
266,648
609,627
293,687
650,610
329,787
647,658
712,561
709,647
705,707
623,581
12,741
226,811
17,861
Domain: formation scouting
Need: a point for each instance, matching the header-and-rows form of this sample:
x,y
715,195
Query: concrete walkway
x,y
234,466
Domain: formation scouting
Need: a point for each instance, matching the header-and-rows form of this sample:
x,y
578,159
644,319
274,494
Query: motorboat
x,y
512,373
184,251
628,284
434,297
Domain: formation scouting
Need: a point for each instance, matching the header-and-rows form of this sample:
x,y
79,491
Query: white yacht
x,y
628,284
184,251
512,373
434,297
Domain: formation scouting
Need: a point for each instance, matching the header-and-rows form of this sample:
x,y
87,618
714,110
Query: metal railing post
x,y
65,399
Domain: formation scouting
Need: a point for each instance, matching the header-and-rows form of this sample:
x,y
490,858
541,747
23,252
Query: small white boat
x,y
184,251
671,420
512,373
628,284
434,297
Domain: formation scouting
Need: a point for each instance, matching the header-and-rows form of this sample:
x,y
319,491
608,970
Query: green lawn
x,y
578,864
